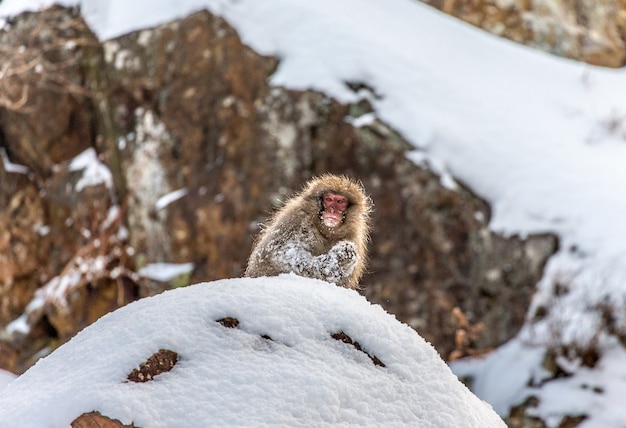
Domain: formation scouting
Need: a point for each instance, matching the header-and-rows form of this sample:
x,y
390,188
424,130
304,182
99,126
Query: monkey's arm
x,y
334,266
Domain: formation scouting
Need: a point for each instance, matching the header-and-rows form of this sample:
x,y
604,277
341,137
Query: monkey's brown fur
x,y
296,240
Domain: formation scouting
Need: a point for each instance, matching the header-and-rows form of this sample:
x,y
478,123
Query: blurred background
x,y
150,161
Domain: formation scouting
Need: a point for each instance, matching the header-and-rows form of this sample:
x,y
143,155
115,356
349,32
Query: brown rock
x,y
18,242
343,337
96,420
229,322
520,417
192,129
41,58
68,243
160,362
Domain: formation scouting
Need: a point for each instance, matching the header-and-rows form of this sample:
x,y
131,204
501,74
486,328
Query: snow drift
x,y
280,365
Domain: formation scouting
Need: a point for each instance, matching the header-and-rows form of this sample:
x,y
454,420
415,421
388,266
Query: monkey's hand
x,y
338,263
344,252
334,266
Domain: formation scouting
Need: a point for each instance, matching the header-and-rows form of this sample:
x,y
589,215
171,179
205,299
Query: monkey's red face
x,y
335,207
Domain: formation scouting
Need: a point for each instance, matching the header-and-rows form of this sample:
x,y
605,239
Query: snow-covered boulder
x,y
5,378
250,352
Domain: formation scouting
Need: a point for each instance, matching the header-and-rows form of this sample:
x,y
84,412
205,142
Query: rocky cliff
x,y
94,136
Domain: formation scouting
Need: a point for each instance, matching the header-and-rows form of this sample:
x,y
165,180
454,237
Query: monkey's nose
x,y
334,208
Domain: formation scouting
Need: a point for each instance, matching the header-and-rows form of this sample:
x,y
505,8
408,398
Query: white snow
x,y
167,199
6,378
235,377
165,271
364,120
540,137
10,166
496,392
18,325
94,171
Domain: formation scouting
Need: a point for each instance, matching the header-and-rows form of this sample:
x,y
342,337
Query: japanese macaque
x,y
320,233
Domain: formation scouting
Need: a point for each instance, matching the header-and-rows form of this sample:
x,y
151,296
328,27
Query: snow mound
x,y
279,365
6,378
